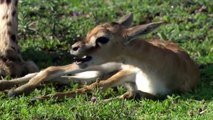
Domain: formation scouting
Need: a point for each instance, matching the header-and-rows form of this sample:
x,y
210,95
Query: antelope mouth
x,y
80,60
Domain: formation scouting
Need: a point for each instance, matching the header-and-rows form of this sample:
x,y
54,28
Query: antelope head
x,y
106,42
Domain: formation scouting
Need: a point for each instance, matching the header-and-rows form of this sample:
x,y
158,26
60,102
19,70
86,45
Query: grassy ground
x,y
48,28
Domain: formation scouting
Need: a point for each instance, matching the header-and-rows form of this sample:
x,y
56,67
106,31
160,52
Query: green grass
x,y
48,28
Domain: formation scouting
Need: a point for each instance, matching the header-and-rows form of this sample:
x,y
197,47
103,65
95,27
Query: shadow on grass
x,y
204,90
48,57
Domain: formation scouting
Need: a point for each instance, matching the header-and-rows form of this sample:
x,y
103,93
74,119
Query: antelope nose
x,y
74,49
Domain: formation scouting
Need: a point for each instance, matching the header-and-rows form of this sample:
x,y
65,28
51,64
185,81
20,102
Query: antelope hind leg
x,y
126,95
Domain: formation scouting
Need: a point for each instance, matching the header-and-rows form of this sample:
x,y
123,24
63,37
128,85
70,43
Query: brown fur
x,y
153,67
165,57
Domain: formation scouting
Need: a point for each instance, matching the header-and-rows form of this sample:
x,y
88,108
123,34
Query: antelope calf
x,y
154,68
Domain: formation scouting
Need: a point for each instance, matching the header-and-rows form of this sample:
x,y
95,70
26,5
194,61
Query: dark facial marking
x,y
16,2
13,48
5,17
6,43
8,2
1,1
13,37
9,24
14,13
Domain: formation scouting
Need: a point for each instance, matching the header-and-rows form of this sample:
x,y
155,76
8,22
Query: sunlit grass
x,y
48,28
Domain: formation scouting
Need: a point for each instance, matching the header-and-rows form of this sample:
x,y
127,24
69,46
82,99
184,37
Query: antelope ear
x,y
126,20
136,31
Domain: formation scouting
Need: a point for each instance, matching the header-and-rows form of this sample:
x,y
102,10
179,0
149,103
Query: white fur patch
x,y
149,83
88,74
146,82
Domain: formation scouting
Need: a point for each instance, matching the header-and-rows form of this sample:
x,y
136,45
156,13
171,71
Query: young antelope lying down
x,y
115,53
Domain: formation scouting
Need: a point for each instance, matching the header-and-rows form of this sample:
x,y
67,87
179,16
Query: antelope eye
x,y
102,40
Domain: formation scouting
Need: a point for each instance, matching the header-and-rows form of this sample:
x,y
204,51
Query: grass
x,y
47,29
